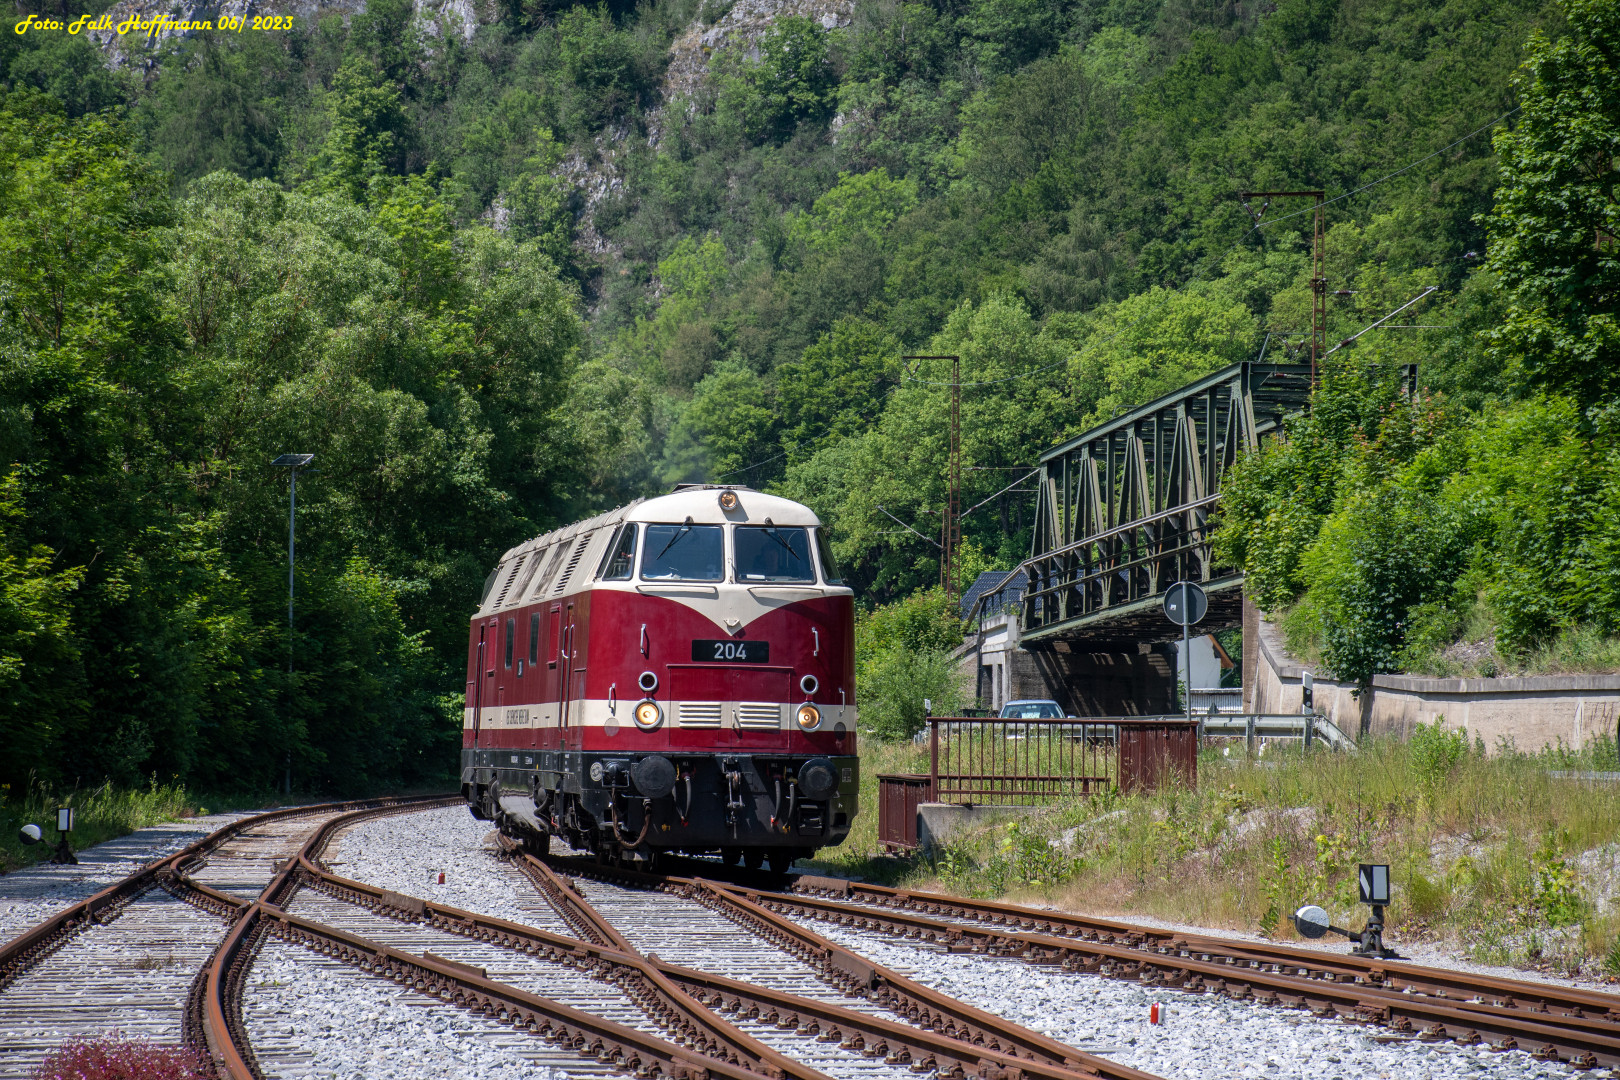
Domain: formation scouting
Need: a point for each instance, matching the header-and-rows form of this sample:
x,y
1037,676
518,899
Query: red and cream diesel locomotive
x,y
677,674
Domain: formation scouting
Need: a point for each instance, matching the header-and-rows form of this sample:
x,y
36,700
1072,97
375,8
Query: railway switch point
x,y
1373,880
63,855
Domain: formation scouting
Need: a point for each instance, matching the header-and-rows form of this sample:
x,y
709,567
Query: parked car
x,y
1032,709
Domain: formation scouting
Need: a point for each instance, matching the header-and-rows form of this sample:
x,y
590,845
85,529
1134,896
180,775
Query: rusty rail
x,y
722,1050
949,1035
33,945
1580,1027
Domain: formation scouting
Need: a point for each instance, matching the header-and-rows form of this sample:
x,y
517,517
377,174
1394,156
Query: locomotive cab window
x,y
773,553
620,560
684,552
534,638
829,566
511,635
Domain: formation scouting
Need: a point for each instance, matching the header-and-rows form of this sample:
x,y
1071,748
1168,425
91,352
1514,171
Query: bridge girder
x,y
1124,509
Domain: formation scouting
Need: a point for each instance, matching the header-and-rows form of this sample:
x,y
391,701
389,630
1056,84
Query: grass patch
x,y
1489,853
100,814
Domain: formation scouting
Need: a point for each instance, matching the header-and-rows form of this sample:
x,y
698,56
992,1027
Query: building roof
x,y
991,581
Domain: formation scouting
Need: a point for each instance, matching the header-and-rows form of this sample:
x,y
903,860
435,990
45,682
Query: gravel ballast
x,y
1203,1036
34,893
408,852
312,1017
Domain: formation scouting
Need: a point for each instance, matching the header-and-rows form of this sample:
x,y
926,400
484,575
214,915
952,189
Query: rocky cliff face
x,y
741,27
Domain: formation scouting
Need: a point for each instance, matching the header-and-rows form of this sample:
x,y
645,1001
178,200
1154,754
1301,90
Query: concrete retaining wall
x,y
1527,713
938,822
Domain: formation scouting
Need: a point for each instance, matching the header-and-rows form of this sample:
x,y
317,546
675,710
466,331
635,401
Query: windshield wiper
x,y
770,531
686,527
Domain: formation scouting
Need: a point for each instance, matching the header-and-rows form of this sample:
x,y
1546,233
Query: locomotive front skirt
x,y
677,674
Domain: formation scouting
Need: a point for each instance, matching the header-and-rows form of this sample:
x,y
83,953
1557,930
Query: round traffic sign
x,y
1185,603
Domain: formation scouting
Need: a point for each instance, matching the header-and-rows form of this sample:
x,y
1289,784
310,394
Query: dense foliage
x,y
1417,534
499,278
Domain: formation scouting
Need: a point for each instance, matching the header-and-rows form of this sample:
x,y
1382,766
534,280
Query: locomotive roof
x,y
702,505
700,502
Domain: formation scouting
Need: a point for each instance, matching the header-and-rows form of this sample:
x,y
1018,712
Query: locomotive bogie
x,y
677,674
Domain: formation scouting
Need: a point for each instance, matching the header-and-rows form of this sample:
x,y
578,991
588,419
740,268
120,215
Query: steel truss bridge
x,y
1125,509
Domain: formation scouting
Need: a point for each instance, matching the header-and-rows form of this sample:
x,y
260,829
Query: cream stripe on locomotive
x,y
600,713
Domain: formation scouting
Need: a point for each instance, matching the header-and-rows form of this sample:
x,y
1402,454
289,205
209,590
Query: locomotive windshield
x,y
620,560
773,553
683,553
829,566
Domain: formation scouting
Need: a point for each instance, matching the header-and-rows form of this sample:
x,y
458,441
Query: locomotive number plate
x,y
736,652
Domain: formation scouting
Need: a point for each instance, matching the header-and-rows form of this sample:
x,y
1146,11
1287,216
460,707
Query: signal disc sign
x,y
1185,603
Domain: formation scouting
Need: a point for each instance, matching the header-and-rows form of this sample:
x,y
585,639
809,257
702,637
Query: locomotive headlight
x,y
648,715
809,717
728,500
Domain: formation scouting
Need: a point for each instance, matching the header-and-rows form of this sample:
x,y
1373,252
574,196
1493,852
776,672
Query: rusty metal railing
x,y
1006,761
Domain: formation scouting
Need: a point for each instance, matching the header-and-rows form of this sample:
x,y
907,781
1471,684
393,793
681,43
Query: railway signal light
x,y
30,835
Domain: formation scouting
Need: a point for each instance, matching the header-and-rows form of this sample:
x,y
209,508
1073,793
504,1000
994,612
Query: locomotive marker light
x,y
809,717
1372,881
1185,604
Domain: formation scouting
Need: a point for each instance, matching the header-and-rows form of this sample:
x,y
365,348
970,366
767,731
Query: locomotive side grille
x,y
759,715
511,577
573,561
703,714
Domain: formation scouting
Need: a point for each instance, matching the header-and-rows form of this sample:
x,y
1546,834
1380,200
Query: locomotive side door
x,y
565,673
475,688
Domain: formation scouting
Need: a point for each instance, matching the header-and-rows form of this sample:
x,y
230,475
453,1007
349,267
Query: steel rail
x,y
711,1040
223,978
651,989
1297,977
634,1051
1549,998
716,1048
943,1033
33,945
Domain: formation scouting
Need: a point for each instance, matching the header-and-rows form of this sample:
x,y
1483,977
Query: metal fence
x,y
1255,728
990,761
899,795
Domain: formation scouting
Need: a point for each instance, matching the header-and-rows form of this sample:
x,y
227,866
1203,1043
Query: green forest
x,y
499,275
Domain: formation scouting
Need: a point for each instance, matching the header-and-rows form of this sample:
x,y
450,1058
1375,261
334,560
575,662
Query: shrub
x,y
905,657
1435,751
112,1057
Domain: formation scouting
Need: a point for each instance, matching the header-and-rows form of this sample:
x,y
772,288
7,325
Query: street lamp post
x,y
292,463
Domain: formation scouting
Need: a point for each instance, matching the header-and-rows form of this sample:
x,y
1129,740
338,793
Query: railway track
x,y
1577,1026
683,978
128,956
